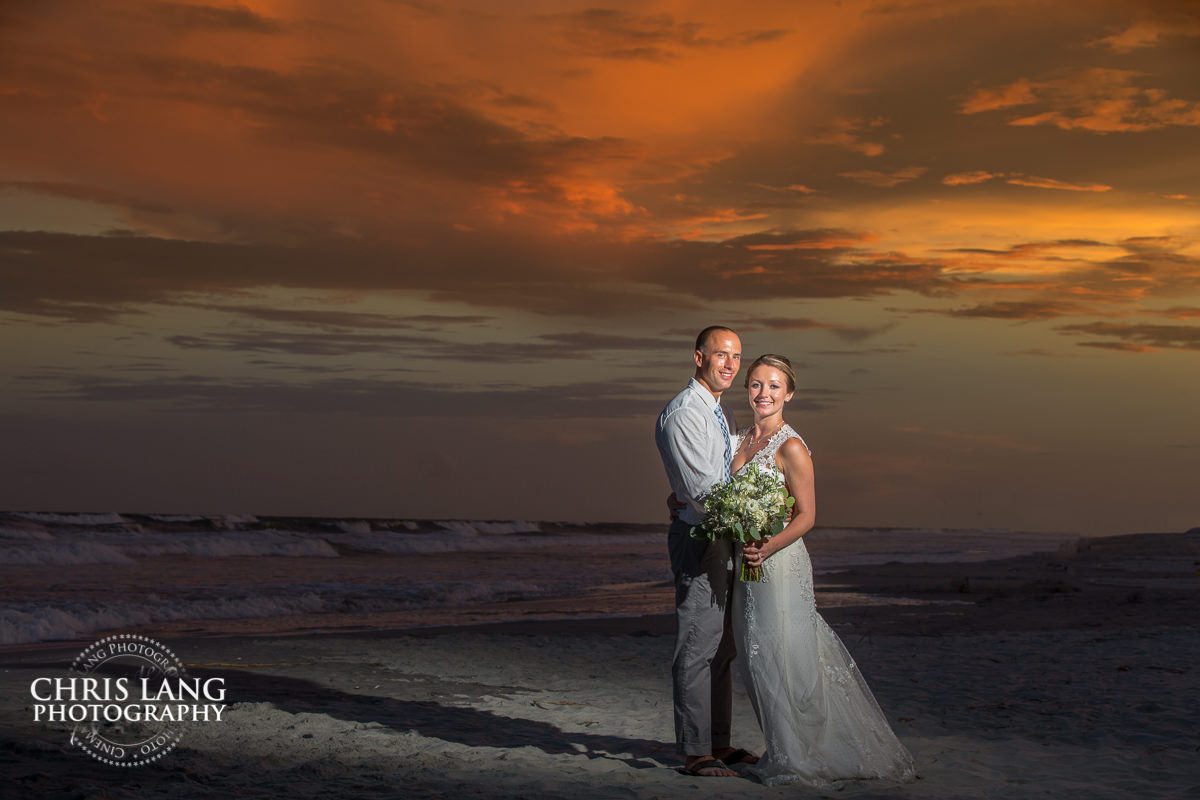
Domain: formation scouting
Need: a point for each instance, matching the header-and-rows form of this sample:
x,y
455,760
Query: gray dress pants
x,y
704,648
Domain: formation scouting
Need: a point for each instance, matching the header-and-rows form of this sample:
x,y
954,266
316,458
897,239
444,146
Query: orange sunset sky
x,y
425,259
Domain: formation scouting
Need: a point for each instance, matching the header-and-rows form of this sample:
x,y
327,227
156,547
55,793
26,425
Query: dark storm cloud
x,y
186,18
422,127
861,334
1154,266
597,400
1012,309
1157,266
303,344
318,369
554,346
1137,337
848,333
583,341
616,34
869,351
1028,248
426,128
89,278
1036,352
91,194
346,319
814,239
364,396
734,270
783,324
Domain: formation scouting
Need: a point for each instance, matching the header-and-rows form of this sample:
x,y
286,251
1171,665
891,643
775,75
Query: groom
x,y
693,439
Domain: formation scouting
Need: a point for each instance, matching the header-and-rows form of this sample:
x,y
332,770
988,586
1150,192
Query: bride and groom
x,y
819,719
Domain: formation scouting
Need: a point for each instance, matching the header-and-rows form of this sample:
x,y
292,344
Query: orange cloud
x,y
968,178
1018,179
795,187
1051,183
1147,33
1097,99
848,134
873,177
1017,93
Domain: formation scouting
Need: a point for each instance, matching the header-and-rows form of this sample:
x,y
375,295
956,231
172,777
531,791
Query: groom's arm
x,y
686,435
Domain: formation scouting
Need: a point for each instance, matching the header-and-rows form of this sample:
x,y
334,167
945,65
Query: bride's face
x,y
768,390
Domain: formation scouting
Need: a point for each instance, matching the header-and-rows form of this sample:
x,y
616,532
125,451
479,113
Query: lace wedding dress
x,y
819,719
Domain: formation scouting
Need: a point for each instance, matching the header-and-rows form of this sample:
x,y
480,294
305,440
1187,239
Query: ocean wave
x,y
490,528
226,545
22,623
39,623
61,553
460,541
25,534
28,547
72,519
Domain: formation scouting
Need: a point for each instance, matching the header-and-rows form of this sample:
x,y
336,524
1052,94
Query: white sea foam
x,y
61,553
460,527
469,527
526,562
100,547
226,545
507,527
25,534
32,622
72,519
233,521
835,548
460,541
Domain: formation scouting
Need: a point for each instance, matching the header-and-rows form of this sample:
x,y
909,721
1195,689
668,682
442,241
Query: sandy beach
x,y
1060,674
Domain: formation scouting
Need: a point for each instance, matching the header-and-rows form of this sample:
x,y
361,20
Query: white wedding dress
x,y
819,719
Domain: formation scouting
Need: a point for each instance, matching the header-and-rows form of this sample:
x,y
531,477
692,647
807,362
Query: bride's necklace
x,y
751,441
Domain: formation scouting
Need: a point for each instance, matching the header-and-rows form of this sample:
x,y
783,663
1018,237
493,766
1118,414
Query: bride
x,y
819,719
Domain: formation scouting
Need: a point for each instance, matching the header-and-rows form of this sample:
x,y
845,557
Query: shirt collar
x,y
697,387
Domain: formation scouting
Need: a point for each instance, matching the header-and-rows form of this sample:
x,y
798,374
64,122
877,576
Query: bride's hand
x,y
756,553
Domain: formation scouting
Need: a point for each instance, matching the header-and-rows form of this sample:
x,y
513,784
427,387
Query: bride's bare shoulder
x,y
794,449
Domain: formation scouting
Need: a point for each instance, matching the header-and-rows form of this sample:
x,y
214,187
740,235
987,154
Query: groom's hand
x,y
674,506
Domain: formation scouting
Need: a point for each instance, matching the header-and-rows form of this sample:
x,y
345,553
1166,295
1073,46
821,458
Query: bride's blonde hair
x,y
780,363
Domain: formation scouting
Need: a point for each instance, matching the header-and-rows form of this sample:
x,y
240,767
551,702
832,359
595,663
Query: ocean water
x,y
71,576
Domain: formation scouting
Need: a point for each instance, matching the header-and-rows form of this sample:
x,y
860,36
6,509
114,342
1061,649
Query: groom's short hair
x,y
703,337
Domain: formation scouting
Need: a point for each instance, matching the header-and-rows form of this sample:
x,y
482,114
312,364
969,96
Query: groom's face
x,y
718,362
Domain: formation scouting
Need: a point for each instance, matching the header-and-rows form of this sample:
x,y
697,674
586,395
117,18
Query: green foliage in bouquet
x,y
754,504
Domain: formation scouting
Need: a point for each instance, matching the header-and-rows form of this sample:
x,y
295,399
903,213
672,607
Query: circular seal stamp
x,y
127,718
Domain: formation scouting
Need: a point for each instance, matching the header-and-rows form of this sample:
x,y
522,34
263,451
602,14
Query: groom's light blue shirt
x,y
692,446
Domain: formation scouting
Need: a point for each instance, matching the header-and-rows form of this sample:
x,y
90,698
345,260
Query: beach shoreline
x,y
1069,672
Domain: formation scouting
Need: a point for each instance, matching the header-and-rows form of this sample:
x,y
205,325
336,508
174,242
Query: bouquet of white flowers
x,y
752,505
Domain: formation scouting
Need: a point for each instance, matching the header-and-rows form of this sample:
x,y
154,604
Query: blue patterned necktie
x,y
725,433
